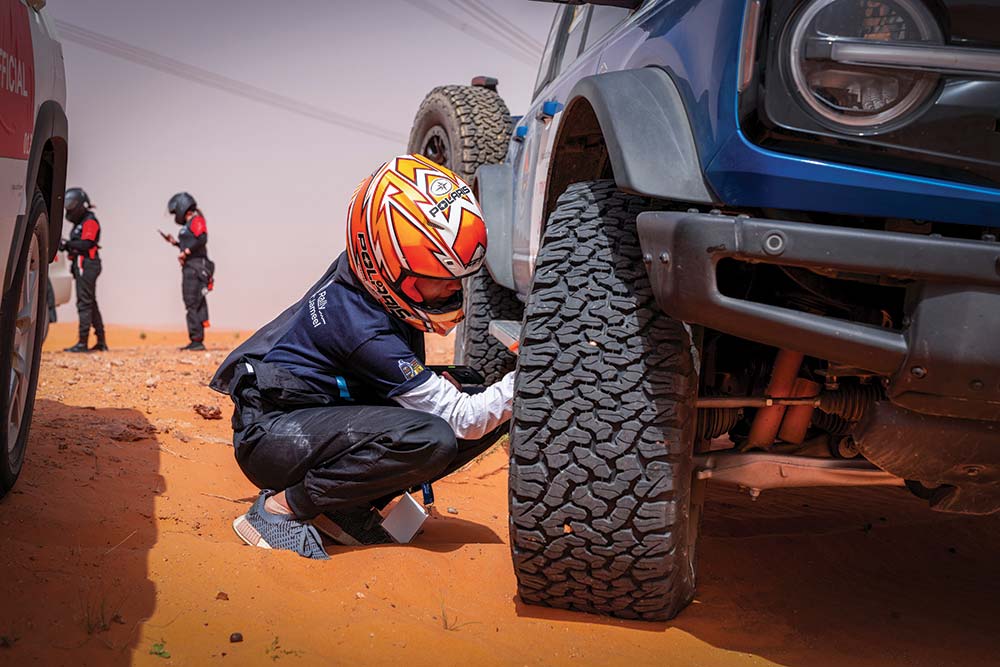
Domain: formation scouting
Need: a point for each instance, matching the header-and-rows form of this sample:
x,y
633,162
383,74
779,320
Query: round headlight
x,y
859,98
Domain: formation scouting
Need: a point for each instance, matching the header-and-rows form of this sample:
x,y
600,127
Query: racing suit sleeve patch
x,y
388,365
410,368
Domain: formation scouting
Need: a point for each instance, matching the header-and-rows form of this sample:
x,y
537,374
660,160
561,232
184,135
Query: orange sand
x,y
117,539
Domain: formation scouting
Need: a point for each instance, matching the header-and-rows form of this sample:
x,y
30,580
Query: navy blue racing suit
x,y
314,414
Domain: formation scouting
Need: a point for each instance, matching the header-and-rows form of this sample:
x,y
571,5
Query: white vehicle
x,y
33,142
61,281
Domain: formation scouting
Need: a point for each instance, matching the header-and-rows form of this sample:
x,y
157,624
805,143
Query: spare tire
x,y
461,128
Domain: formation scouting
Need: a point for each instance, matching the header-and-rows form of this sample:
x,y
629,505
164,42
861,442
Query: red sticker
x,y
17,81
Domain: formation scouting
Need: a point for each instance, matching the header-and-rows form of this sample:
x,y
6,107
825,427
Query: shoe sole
x,y
249,534
329,528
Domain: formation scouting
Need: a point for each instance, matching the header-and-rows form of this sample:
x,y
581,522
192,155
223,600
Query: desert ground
x,y
116,548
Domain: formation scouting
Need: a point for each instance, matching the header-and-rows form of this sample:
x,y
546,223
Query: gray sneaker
x,y
355,527
260,528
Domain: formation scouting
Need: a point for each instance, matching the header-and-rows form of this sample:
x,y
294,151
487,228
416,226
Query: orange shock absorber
x,y
768,420
797,417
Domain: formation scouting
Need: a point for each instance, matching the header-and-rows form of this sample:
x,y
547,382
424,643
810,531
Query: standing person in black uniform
x,y
196,268
82,247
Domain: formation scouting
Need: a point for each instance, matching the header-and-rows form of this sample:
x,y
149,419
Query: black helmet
x,y
179,205
77,204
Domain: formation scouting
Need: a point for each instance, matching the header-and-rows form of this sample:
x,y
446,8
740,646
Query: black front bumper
x,y
946,362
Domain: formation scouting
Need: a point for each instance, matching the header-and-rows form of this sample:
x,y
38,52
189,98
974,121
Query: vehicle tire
x,y
24,311
461,128
602,516
485,301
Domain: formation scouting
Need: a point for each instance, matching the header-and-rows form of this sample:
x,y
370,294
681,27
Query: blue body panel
x,y
698,43
747,175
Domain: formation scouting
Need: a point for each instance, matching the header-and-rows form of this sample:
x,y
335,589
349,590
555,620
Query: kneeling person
x,y
336,413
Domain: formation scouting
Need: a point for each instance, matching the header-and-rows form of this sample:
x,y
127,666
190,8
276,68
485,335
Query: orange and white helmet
x,y
415,219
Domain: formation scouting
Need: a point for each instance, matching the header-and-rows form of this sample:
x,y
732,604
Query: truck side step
x,y
507,332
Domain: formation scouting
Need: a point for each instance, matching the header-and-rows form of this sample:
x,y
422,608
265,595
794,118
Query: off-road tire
x,y
603,427
485,301
473,121
12,448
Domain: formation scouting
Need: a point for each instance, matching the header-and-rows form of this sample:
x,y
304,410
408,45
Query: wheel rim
x,y
23,351
437,148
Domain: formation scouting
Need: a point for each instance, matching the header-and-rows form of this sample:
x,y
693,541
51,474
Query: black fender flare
x,y
646,131
52,132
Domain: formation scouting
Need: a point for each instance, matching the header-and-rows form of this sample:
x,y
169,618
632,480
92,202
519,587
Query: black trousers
x,y
336,457
86,300
194,287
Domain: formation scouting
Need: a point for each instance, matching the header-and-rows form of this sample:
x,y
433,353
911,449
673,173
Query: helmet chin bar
x,y
423,313
452,304
444,330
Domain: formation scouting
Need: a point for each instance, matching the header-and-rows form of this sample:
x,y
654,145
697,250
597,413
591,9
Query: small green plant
x,y
452,624
95,616
160,650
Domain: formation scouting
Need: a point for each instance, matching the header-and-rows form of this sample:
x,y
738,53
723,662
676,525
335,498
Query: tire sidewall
x,y
475,121
37,227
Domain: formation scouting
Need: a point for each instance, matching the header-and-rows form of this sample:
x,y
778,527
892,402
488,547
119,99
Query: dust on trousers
x,y
328,455
86,299
196,276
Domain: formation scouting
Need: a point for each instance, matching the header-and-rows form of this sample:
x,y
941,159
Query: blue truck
x,y
750,241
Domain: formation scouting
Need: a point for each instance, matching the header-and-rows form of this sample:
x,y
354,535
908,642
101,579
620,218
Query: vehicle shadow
x,y
839,576
76,535
835,576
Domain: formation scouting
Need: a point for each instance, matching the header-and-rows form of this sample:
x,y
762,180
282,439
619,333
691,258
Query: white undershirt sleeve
x,y
470,416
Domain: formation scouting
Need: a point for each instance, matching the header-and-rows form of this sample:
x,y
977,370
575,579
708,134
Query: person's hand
x,y
448,376
181,258
169,238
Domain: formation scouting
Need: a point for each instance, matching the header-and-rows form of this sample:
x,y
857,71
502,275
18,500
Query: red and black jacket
x,y
84,240
194,237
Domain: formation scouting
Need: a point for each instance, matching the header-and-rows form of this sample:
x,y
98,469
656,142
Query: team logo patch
x,y
410,368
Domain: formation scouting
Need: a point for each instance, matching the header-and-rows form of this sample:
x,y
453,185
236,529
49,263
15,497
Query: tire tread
x,y
602,432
